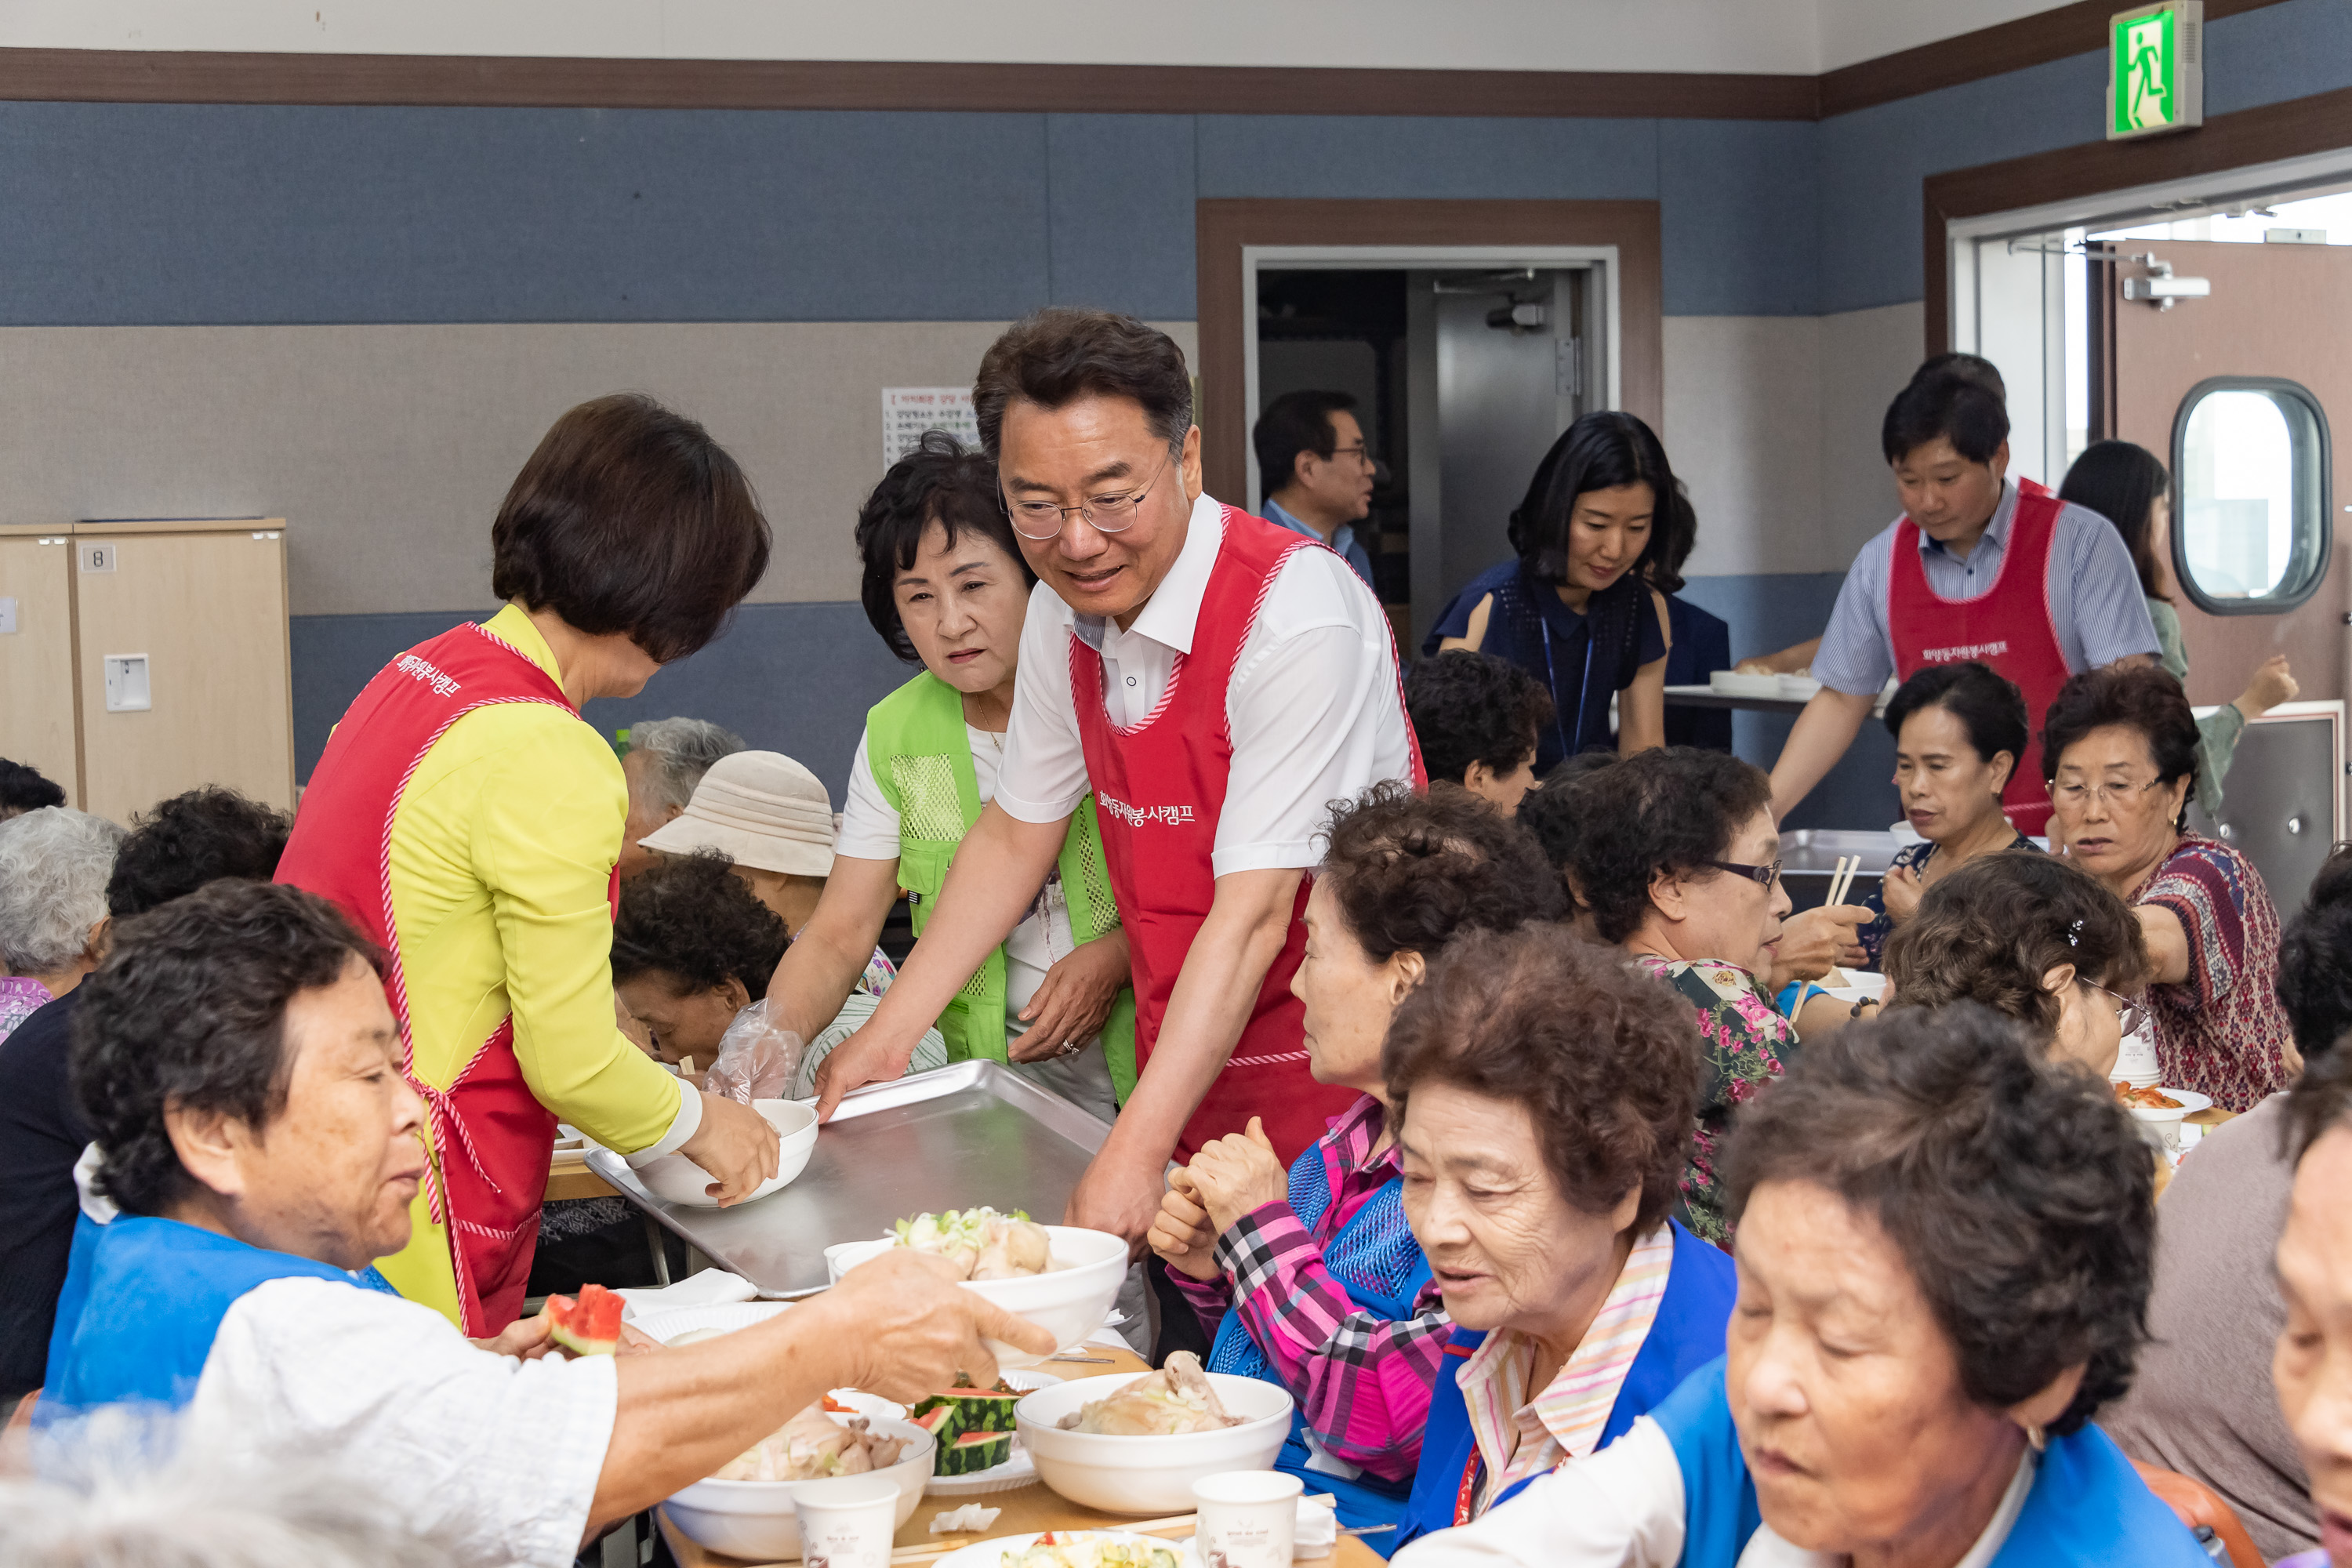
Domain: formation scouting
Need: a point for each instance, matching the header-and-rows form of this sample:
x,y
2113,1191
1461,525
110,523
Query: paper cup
x,y
851,1527
1249,1519
2136,1062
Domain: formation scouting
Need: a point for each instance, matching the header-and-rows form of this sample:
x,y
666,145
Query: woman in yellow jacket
x,y
467,820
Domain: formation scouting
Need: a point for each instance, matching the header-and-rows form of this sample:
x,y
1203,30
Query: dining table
x,y
1025,1510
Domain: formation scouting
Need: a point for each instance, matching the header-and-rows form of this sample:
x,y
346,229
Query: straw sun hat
x,y
760,809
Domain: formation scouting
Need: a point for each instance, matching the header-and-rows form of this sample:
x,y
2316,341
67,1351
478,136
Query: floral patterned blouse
x,y
2220,1031
1743,1045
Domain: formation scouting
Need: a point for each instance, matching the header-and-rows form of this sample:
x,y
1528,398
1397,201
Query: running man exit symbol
x,y
2156,78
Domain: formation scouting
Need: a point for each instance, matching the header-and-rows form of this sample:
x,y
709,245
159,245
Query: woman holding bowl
x,y
1312,1278
1542,1092
1960,730
1944,1260
2035,940
2121,748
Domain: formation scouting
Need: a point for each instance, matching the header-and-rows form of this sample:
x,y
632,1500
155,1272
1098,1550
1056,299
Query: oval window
x,y
2250,483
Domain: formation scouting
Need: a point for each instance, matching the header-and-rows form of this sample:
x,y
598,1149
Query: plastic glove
x,y
756,1060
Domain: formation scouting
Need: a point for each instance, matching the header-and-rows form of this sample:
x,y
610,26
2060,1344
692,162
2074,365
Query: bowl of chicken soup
x,y
1061,1278
1134,1444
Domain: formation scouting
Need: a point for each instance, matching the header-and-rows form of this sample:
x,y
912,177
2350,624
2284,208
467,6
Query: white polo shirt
x,y
1313,708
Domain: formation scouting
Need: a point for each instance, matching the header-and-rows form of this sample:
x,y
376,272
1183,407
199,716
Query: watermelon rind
x,y
980,1409
589,1326
975,1452
945,1426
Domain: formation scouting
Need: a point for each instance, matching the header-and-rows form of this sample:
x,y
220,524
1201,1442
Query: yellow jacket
x,y
502,854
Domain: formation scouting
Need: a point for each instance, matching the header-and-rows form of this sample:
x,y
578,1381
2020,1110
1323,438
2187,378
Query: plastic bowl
x,y
1148,1475
755,1519
674,1178
1070,1302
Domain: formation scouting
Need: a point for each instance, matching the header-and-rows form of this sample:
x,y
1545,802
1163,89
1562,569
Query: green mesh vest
x,y
920,755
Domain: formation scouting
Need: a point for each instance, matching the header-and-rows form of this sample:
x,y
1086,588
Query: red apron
x,y
2009,626
1159,787
492,1141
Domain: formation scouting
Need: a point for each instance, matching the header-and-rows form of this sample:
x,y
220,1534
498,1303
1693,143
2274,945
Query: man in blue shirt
x,y
1318,471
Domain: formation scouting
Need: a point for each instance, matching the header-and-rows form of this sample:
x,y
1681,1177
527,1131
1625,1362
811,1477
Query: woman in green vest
x,y
945,585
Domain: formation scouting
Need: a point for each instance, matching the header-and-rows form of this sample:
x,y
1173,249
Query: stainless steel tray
x,y
975,1132
1815,851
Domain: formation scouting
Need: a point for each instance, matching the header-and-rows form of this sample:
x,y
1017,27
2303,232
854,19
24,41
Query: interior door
x,y
37,651
2280,312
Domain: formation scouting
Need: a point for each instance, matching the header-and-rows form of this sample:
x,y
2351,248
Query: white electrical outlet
x,y
7,616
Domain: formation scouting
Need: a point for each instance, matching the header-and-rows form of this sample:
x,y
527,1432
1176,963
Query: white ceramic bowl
x,y
1731,683
676,1179
1148,1475
755,1519
1069,1302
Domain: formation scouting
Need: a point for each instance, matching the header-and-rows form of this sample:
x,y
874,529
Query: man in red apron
x,y
1217,681
1975,569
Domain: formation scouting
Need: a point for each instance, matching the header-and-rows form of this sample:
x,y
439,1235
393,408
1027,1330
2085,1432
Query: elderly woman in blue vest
x,y
946,586
1311,1278
1543,1094
1581,608
1945,1253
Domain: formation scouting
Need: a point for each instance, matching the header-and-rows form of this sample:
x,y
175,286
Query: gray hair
x,y
54,863
682,751
113,1488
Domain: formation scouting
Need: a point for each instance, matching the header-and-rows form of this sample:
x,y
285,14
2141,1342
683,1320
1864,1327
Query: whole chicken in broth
x,y
1179,1397
981,1243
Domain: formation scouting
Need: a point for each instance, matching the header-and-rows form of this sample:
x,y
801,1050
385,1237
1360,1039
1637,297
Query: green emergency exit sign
x,y
2156,70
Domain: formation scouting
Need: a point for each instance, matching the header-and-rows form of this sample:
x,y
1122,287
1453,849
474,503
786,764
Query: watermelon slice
x,y
589,1326
975,1451
945,1426
979,1409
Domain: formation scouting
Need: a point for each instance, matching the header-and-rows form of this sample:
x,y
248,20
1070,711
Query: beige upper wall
x,y
1800,37
388,449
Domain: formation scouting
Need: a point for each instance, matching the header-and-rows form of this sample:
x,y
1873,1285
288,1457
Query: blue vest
x,y
2087,1506
1687,1334
1375,1259
142,1300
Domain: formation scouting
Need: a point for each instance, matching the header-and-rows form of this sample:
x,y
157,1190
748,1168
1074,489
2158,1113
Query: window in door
x,y
2250,464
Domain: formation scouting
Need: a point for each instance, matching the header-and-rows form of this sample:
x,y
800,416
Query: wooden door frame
x,y
2272,133
1224,228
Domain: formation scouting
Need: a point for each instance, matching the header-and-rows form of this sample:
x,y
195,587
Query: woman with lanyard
x,y
1576,609
945,586
468,822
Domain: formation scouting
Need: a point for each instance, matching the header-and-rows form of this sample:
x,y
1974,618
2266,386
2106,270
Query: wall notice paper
x,y
908,411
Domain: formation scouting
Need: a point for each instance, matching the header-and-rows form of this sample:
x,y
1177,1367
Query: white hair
x,y
682,751
113,1490
54,863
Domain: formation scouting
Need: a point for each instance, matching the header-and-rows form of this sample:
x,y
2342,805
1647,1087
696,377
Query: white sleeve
x,y
495,1458
870,823
1316,712
1044,772
1620,1508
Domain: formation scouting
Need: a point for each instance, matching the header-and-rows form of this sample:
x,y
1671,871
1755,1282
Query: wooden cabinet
x,y
37,654
178,672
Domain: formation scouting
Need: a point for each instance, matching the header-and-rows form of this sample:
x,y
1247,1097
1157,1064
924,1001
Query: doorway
x,y
1470,333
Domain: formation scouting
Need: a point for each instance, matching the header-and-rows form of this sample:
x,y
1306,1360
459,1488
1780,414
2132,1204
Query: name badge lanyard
x,y
1552,676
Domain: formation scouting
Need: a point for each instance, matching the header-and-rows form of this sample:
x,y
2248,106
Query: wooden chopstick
x,y
958,1543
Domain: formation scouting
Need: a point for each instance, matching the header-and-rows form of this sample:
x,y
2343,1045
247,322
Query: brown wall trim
x,y
112,76
1225,227
2047,35
2294,129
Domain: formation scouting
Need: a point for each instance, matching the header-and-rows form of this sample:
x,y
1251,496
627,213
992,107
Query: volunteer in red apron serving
x,y
1217,681
468,821
1974,569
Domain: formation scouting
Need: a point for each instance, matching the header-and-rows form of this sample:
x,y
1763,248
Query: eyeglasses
x,y
1041,519
2078,795
1762,876
1361,453
2129,1015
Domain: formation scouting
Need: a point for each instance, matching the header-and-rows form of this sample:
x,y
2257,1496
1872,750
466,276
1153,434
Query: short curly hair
x,y
1991,930
2314,964
943,482
1605,1060
189,1011
2142,697
190,839
692,917
1988,704
1410,872
1670,809
1468,707
2020,1194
